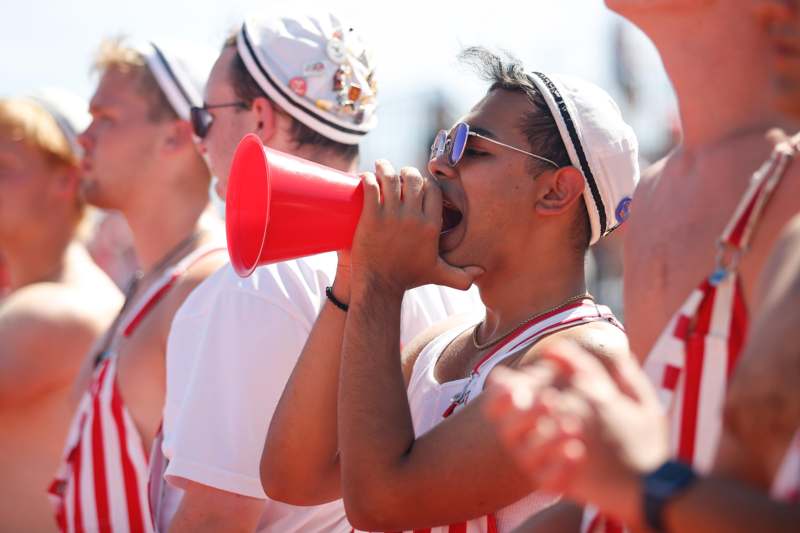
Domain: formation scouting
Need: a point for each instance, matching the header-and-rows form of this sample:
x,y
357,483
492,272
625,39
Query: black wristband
x,y
660,487
341,305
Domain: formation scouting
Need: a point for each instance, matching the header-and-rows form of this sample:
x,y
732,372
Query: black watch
x,y
660,487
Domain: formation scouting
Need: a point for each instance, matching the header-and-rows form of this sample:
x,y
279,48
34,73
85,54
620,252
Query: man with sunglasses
x,y
539,169
305,85
140,159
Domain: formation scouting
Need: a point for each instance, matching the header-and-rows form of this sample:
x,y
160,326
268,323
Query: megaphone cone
x,y
280,207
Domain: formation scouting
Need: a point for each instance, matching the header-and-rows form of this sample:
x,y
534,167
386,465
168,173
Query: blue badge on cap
x,y
623,209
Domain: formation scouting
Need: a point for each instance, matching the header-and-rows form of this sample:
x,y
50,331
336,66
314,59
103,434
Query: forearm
x,y
375,427
714,504
562,517
300,462
206,510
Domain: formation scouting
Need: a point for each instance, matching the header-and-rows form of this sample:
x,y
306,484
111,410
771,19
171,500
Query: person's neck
x,y
40,259
514,294
327,158
159,226
722,90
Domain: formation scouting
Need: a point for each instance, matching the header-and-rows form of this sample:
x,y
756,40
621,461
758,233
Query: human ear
x,y
559,189
265,116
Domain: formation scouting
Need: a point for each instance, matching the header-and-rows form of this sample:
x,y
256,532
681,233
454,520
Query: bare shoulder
x,y
601,338
649,178
415,347
55,309
198,272
46,331
189,281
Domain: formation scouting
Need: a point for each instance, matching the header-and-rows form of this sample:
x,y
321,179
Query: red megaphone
x,y
280,207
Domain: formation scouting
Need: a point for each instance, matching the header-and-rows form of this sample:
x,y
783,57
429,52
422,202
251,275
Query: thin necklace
x,y
479,346
133,285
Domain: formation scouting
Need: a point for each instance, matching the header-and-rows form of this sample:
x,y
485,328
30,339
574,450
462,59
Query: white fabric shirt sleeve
x,y
246,346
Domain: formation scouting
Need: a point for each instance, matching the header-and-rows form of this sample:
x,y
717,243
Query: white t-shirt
x,y
231,349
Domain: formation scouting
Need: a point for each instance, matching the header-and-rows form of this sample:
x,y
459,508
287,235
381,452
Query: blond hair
x,y
23,120
26,121
115,55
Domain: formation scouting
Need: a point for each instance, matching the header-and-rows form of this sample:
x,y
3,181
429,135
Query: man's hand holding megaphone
x,y
396,243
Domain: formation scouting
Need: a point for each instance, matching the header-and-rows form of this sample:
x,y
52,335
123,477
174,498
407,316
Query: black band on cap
x,y
576,142
173,77
275,85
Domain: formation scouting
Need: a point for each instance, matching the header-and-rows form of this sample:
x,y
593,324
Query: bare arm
x,y
390,480
300,464
762,410
563,517
599,460
44,337
205,509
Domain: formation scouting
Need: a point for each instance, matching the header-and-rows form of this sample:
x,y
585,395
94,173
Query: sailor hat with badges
x,y
314,67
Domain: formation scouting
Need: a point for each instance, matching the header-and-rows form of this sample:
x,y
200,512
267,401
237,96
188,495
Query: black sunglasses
x,y
202,119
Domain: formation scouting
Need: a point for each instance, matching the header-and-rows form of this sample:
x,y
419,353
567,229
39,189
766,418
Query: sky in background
x,y
50,43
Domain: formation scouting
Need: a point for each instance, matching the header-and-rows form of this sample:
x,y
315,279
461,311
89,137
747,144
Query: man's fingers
x,y
389,182
412,188
372,194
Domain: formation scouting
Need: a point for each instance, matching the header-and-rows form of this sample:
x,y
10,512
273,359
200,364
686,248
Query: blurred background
x,y
422,88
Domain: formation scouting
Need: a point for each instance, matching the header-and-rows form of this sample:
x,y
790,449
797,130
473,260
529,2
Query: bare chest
x,y
672,241
460,358
140,377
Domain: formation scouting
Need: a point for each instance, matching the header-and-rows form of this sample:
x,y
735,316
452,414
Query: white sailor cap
x,y
180,71
70,112
315,68
600,144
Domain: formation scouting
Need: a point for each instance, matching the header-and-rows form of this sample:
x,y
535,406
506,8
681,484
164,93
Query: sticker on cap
x,y
623,210
298,85
314,69
336,51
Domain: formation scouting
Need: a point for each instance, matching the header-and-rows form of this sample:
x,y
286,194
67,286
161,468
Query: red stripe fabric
x,y
457,528
129,473
76,470
671,376
491,524
695,351
98,459
735,238
522,328
738,328
148,306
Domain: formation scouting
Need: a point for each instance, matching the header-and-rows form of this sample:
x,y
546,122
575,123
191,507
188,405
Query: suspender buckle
x,y
727,261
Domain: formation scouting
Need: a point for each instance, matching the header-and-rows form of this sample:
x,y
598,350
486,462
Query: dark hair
x,y
246,89
538,125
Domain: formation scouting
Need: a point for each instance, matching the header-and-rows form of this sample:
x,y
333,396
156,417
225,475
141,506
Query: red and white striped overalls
x,y
101,484
694,357
431,402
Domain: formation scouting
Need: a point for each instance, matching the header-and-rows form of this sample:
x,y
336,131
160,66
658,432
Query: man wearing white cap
x,y
59,302
305,85
538,170
140,158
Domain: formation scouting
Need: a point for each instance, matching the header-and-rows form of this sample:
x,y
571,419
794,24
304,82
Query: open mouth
x,y
451,216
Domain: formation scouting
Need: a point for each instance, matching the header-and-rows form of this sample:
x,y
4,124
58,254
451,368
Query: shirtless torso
x,y
666,254
46,329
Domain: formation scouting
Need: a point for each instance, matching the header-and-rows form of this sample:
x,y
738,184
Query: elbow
x,y
285,482
371,508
